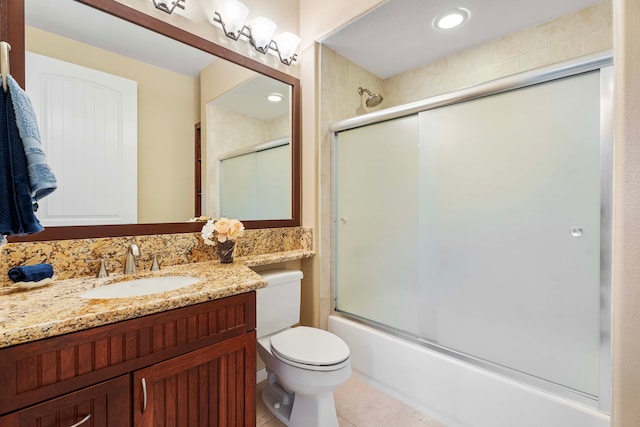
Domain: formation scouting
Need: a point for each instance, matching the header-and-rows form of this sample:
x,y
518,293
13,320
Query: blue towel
x,y
16,207
41,178
31,273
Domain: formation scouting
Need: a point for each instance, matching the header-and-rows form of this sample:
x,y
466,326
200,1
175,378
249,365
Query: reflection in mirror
x,y
164,80
250,150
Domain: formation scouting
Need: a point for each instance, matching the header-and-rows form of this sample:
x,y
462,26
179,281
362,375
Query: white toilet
x,y
304,365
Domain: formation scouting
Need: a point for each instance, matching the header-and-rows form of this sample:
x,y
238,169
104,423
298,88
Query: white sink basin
x,y
140,287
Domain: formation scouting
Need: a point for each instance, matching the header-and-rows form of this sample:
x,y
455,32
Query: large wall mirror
x,y
199,117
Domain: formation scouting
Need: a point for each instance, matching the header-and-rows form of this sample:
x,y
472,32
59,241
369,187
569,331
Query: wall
x,y
166,115
626,250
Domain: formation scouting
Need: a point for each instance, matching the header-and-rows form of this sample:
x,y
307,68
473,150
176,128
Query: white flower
x,y
207,233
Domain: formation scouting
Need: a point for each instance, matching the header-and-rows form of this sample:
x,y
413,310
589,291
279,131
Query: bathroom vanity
x,y
184,357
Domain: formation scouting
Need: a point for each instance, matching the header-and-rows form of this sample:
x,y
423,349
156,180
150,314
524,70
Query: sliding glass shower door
x,y
476,226
377,204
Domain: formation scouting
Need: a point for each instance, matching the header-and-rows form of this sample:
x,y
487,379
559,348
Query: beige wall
x,y
168,108
626,250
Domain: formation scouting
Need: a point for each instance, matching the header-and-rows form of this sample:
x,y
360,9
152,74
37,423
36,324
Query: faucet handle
x,y
102,273
155,266
134,250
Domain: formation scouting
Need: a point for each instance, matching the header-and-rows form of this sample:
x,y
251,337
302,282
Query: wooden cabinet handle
x,y
144,395
82,421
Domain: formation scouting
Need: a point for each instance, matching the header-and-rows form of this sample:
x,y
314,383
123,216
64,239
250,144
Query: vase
x,y
225,251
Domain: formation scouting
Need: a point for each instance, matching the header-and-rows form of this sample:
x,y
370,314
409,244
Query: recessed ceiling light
x,y
451,19
274,97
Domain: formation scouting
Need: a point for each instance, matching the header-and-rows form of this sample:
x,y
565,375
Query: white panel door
x,y
88,122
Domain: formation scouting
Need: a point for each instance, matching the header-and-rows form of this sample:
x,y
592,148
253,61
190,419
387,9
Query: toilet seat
x,y
310,348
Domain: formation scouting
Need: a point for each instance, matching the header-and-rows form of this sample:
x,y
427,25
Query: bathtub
x,y
452,391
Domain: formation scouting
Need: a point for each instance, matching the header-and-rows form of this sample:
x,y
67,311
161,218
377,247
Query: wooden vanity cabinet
x,y
192,366
102,405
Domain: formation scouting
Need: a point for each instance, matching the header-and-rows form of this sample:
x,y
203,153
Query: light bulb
x,y
233,14
261,31
287,45
451,19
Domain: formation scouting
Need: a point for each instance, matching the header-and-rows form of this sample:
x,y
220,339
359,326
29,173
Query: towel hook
x,y
4,63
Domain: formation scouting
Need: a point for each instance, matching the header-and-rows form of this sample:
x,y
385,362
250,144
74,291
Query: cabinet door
x,y
103,405
213,386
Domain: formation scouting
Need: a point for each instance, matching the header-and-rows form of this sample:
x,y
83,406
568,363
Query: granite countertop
x,y
56,309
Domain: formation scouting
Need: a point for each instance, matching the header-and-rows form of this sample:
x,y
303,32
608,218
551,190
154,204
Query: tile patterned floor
x,y
359,405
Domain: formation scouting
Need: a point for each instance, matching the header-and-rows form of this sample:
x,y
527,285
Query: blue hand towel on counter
x,y
41,178
31,273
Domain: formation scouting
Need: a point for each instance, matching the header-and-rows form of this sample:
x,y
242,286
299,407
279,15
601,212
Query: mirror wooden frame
x,y
12,31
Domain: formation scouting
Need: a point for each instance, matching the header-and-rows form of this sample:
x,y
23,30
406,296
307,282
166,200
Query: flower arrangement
x,y
222,229
222,232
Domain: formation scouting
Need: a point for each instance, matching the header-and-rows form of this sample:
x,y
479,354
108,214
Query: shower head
x,y
373,100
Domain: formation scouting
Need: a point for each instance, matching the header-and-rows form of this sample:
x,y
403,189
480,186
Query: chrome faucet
x,y
130,262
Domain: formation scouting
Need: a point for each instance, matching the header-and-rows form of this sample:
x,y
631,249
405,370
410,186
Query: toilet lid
x,y
310,346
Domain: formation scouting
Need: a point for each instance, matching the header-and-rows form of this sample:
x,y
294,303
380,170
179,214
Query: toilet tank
x,y
278,304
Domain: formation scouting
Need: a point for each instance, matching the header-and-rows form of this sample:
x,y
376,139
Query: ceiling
x,y
250,98
397,36
77,21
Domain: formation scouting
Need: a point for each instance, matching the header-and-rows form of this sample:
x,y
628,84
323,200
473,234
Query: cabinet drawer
x,y
102,405
40,370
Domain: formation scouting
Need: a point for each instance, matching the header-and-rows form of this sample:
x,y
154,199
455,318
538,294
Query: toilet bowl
x,y
304,365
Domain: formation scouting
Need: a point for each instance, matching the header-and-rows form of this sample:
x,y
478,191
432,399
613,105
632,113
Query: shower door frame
x,y
602,61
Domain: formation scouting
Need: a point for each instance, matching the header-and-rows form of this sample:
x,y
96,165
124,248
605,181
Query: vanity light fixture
x,y
451,19
232,15
274,97
168,6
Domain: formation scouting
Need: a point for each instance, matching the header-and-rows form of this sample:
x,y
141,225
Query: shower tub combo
x,y
472,240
